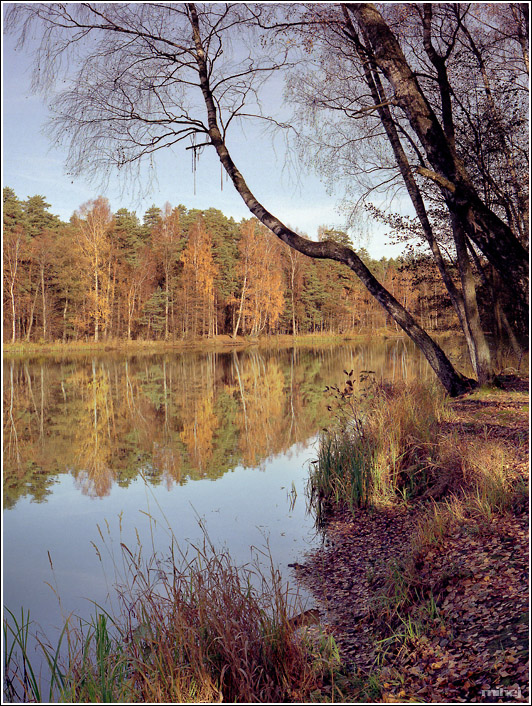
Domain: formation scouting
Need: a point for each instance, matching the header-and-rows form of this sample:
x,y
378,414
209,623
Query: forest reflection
x,y
173,417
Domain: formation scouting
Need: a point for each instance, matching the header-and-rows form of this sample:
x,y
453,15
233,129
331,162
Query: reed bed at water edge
x,y
190,629
379,444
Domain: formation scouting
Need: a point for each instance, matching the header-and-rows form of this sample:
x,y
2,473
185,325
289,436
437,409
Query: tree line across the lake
x,y
182,273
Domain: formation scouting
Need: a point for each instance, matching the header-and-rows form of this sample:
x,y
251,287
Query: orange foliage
x,y
199,272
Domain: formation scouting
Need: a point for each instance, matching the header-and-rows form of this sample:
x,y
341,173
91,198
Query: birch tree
x,y
198,276
145,77
93,221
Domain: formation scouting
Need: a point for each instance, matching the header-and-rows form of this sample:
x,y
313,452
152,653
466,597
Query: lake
x,y
103,449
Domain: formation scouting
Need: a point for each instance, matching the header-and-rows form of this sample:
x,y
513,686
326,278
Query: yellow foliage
x,y
199,271
263,296
198,431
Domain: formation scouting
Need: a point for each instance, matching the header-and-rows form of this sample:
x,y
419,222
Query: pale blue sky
x,y
32,166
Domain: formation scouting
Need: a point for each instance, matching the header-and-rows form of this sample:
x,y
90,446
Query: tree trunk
x,y
166,305
454,382
294,332
380,99
493,237
243,294
44,331
64,319
13,314
96,304
479,352
30,325
108,306
494,286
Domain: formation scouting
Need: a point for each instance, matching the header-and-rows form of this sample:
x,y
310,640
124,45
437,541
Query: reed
x,y
342,473
378,446
190,629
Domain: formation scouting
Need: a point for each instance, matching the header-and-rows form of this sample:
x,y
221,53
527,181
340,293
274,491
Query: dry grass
x,y
386,444
380,445
483,482
191,630
212,625
401,427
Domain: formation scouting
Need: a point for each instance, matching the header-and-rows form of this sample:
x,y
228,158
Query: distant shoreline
x,y
217,343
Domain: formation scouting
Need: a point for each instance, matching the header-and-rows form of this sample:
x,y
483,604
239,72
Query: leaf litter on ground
x,y
473,643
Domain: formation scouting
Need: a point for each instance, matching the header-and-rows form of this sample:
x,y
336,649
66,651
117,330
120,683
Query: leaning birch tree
x,y
143,77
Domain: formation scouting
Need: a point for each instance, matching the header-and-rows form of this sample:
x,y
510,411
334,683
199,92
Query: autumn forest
x,y
252,464
182,274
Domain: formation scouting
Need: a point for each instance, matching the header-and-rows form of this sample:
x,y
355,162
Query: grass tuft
x,y
190,629
378,447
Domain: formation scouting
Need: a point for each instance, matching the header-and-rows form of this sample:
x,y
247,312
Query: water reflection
x,y
172,418
105,450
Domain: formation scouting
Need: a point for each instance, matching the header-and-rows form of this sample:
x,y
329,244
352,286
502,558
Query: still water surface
x,y
105,449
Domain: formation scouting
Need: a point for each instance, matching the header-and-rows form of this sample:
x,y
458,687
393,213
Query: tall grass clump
x,y
379,444
190,630
342,473
219,626
483,483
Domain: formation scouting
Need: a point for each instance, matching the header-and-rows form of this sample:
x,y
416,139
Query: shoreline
x,y
428,601
221,343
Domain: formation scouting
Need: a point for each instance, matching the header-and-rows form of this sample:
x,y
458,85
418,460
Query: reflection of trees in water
x,y
198,431
94,439
174,417
25,449
261,420
11,445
